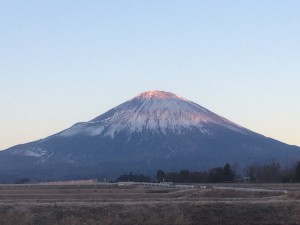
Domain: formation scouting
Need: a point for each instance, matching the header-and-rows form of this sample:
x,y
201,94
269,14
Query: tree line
x,y
269,172
217,174
272,172
134,178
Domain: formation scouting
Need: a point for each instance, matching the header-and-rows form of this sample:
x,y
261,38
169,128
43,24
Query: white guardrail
x,y
129,183
164,184
250,189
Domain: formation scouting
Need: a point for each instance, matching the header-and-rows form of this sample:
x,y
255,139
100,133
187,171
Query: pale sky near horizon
x,y
63,62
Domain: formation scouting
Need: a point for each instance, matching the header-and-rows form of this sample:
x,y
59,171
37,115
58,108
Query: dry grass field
x,y
91,204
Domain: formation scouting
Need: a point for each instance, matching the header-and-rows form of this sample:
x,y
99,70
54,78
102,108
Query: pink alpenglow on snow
x,y
156,111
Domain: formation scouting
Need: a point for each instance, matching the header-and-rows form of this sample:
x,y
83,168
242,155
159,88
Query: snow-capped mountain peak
x,y
154,111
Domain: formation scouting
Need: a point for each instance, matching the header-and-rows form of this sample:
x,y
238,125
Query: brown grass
x,y
89,205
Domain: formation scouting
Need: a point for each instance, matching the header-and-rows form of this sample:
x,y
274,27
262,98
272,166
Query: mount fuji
x,y
155,130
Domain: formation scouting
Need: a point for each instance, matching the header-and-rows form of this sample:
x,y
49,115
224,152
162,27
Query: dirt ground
x,y
93,204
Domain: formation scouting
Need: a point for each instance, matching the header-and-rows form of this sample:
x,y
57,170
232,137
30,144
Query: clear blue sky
x,y
67,61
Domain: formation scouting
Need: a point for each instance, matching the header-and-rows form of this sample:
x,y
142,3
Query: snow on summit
x,y
157,95
154,111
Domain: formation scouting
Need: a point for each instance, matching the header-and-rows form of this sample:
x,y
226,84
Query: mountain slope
x,y
155,130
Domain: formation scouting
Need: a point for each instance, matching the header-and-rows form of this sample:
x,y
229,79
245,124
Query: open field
x,y
91,204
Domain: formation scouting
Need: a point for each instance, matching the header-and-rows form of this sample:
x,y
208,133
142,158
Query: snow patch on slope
x,y
35,152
